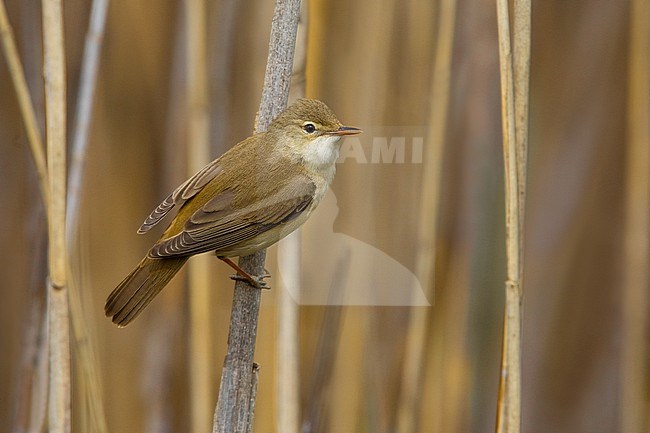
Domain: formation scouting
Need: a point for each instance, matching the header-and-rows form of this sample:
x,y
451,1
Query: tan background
x,y
371,62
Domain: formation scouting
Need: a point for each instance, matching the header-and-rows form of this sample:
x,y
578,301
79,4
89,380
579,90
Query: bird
x,y
249,198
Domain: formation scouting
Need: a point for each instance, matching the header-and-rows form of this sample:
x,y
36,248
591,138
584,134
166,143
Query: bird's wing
x,y
185,191
217,225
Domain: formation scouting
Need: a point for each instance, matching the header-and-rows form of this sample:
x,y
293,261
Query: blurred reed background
x,y
586,250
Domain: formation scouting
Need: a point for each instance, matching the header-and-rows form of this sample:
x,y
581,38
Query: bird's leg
x,y
242,275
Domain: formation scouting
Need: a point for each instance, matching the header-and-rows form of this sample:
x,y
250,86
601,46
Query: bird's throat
x,y
322,152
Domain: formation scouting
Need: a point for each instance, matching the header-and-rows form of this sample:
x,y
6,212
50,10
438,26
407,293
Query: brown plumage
x,y
246,200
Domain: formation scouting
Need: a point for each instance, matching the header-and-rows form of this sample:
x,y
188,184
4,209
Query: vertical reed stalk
x,y
58,309
31,397
84,110
636,300
514,114
198,155
318,405
288,350
25,102
234,411
32,404
410,393
89,383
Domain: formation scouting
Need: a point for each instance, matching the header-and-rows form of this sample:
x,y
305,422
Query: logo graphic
x,y
338,269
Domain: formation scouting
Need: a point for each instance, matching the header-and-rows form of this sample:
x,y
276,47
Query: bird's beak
x,y
346,130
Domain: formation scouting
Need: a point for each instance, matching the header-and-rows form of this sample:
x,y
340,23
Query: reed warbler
x,y
252,196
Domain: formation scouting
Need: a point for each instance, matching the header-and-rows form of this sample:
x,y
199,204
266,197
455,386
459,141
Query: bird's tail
x,y
139,288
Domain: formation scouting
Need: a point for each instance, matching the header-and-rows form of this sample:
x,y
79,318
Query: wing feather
x,y
184,192
218,227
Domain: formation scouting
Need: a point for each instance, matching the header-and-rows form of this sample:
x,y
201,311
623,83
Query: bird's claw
x,y
255,281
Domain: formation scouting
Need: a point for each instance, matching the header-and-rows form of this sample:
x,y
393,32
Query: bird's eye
x,y
309,128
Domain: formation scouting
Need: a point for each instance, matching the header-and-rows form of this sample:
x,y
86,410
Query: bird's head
x,y
312,131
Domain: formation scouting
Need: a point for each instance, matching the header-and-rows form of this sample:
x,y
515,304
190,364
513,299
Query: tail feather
x,y
139,288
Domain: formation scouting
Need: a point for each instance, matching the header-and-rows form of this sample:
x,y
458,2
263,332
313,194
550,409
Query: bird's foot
x,y
255,281
241,275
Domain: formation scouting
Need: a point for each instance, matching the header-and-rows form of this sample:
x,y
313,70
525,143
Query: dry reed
x,y
636,301
287,352
84,111
234,411
31,399
89,382
316,413
416,340
581,176
198,148
32,406
25,102
514,114
59,419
